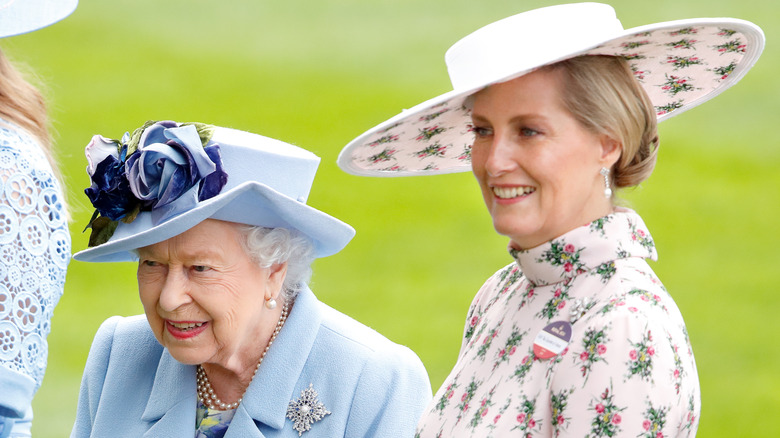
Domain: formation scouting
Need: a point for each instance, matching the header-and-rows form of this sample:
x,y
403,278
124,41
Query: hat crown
x,y
267,185
247,157
516,44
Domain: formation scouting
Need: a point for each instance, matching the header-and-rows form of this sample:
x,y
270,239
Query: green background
x,y
318,73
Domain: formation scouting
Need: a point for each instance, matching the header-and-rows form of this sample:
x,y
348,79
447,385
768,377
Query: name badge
x,y
552,339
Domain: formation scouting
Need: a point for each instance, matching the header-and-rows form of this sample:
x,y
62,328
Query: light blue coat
x,y
372,387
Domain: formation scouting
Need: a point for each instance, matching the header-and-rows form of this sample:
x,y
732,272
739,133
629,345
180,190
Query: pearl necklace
x,y
206,393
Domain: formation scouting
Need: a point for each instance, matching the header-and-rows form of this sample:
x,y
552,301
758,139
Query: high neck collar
x,y
619,235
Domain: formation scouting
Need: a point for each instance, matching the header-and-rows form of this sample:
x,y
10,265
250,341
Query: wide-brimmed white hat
x,y
680,64
168,177
22,16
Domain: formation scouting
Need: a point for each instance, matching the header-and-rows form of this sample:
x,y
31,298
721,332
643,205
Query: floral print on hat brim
x,y
679,67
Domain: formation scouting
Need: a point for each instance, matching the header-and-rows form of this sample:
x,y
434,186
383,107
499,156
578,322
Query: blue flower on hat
x,y
110,191
153,167
169,161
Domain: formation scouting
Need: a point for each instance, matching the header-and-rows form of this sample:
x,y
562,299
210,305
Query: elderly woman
x,y
233,343
34,238
555,109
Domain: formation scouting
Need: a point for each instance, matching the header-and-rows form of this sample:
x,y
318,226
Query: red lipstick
x,y
185,333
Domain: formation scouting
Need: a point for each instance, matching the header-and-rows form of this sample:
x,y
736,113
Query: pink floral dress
x,y
578,338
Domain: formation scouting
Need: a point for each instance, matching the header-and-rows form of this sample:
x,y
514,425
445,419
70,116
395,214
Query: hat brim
x,y
434,137
19,17
251,203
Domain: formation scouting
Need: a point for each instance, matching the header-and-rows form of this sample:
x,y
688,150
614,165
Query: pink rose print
x,y
601,349
569,248
646,424
632,354
600,408
521,417
616,419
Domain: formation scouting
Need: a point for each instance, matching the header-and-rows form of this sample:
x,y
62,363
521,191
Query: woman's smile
x,y
512,194
185,329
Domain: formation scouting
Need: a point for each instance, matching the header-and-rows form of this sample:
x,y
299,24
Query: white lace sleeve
x,y
34,254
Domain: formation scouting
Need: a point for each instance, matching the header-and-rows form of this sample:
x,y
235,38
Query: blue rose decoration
x,y
149,170
110,191
169,161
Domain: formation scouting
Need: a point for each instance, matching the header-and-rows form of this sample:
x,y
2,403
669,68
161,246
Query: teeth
x,y
186,325
512,192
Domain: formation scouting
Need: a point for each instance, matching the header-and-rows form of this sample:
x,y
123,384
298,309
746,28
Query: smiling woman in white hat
x,y
34,238
233,342
553,110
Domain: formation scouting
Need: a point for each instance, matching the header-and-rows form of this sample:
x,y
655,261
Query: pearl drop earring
x,y
607,190
270,304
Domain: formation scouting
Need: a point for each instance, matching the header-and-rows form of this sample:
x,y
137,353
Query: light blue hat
x,y
22,16
167,177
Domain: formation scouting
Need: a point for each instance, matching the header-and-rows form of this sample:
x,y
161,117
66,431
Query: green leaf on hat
x,y
135,138
102,230
205,131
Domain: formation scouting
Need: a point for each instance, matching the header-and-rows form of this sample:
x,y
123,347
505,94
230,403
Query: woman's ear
x,y
611,150
276,276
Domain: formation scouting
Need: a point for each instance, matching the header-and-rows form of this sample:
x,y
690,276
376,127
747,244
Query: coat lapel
x,y
243,425
274,386
171,406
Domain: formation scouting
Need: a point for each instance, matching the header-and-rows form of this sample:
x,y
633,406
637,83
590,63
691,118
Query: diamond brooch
x,y
580,306
306,410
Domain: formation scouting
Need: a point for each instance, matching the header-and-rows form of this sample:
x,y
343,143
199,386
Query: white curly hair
x,y
269,246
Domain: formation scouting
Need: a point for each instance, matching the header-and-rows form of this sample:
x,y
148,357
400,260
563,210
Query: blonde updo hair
x,y
603,95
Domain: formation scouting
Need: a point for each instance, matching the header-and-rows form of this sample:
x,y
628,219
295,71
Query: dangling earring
x,y
607,190
270,304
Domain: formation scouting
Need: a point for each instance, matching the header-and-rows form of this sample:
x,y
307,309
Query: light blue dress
x,y
34,254
371,386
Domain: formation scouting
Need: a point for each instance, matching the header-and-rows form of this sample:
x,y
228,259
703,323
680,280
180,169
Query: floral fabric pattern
x,y
628,369
34,252
677,67
211,423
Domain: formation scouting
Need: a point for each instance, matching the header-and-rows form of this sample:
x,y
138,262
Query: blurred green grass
x,y
319,73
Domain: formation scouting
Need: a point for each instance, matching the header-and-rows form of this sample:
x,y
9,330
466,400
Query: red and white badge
x,y
552,339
